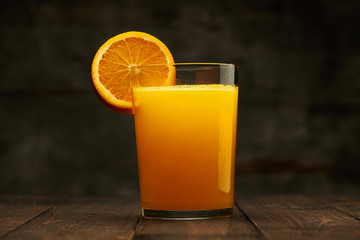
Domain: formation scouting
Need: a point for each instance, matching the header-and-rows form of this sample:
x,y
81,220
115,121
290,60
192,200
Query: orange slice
x,y
128,59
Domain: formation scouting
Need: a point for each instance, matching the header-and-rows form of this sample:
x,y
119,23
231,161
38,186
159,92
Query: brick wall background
x,y
299,106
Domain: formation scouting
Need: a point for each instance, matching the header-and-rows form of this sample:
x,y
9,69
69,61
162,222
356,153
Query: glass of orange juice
x,y
186,138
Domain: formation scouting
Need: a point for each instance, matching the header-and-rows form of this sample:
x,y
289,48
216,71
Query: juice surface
x,y
186,146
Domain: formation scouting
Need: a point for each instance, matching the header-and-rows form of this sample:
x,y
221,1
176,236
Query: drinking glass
x,y
186,138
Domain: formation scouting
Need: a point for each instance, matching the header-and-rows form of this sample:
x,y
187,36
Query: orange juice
x,y
186,137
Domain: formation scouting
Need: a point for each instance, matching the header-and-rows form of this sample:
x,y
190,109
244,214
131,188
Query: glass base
x,y
186,215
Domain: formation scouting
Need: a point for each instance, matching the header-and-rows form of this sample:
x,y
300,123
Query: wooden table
x,y
256,217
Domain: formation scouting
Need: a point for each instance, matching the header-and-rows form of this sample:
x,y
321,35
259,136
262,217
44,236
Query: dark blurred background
x,y
299,105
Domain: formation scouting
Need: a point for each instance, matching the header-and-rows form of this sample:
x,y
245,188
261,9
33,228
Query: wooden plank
x,y
236,227
299,217
351,208
83,219
14,215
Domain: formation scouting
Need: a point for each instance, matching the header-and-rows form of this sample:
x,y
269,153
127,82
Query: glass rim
x,y
205,64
